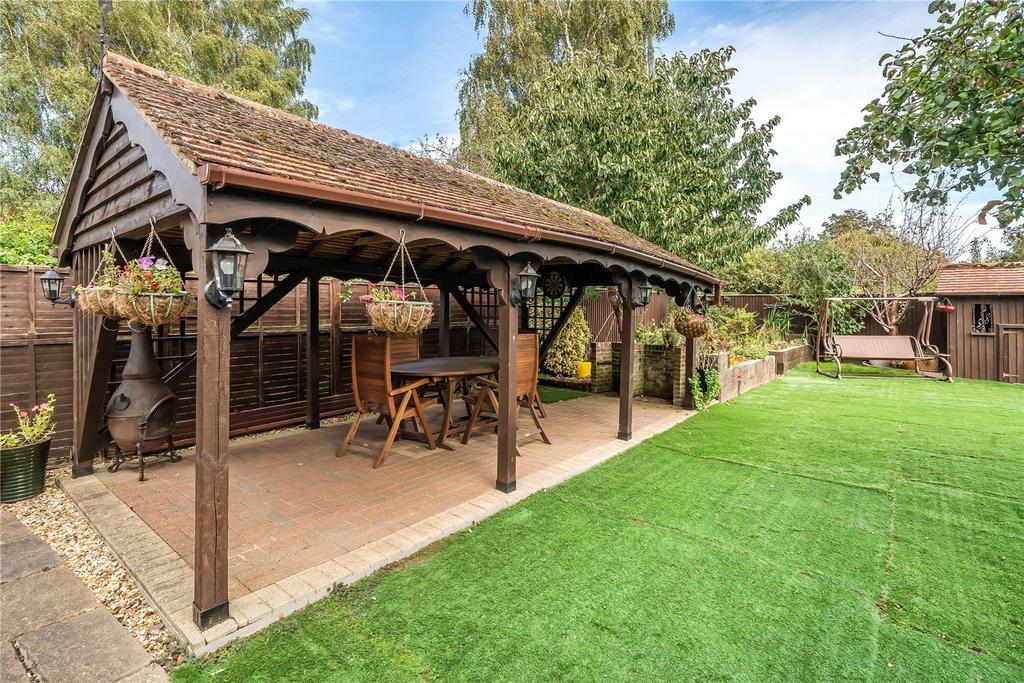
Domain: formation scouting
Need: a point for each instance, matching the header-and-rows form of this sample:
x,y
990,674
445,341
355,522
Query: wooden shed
x,y
985,334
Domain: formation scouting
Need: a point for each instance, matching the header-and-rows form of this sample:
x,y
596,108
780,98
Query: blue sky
x,y
390,71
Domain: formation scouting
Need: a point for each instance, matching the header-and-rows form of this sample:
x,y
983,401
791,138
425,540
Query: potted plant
x,y
150,291
23,452
98,296
397,310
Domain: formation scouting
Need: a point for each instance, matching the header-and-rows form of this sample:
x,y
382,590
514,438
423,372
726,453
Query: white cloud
x,y
816,66
328,103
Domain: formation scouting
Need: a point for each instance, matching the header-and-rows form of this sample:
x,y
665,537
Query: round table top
x,y
453,366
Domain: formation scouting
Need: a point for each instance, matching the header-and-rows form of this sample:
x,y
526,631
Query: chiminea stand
x,y
142,412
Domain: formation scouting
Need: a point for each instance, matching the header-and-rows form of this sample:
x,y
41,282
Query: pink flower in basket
x,y
146,262
399,294
366,297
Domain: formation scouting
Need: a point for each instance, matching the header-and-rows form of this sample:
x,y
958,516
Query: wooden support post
x,y
508,405
213,382
627,353
444,342
98,359
690,360
313,351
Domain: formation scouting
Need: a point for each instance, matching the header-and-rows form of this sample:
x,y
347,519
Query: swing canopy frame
x,y
884,347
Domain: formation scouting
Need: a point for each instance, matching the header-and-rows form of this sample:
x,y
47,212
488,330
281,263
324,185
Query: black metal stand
x,y
140,458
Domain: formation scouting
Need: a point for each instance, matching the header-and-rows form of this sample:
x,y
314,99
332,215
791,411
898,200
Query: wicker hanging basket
x,y
98,296
692,325
153,308
396,309
166,302
97,300
400,317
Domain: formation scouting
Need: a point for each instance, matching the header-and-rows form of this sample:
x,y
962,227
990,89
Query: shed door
x,y
1010,348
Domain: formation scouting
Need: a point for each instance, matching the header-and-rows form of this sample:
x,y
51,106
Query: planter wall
x,y
659,371
787,359
743,377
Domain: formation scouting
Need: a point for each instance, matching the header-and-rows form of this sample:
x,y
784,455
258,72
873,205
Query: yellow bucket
x,y
583,369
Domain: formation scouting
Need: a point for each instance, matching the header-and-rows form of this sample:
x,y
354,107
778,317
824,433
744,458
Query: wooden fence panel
x,y
268,365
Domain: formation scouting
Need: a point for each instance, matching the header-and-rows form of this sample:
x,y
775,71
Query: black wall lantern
x,y
230,257
52,283
527,283
645,293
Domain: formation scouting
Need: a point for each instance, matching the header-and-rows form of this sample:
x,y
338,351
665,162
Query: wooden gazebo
x,y
311,201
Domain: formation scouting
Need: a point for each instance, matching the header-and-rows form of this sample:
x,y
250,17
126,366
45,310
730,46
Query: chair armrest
x,y
490,383
409,387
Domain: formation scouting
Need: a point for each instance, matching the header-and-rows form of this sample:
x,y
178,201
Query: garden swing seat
x,y
882,347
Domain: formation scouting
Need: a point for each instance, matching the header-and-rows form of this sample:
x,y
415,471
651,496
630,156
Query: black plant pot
x,y
23,471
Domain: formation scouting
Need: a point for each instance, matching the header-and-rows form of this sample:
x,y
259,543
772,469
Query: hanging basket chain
x,y
401,316
402,255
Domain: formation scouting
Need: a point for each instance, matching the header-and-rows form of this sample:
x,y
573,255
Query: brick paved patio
x,y
301,520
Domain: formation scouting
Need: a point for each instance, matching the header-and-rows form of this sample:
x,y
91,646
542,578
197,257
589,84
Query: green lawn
x,y
556,394
809,530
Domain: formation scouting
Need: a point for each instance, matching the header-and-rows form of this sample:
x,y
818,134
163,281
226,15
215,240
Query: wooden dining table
x,y
450,371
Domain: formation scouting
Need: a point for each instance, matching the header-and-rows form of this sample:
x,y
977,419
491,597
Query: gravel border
x,y
53,517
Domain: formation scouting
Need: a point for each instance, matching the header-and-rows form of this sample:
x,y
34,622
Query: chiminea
x,y
142,412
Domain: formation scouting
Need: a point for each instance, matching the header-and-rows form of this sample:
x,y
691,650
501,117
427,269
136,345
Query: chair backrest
x,y
877,347
527,363
371,369
405,349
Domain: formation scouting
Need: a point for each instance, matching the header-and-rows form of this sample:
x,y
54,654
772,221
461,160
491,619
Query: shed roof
x,y
991,279
205,125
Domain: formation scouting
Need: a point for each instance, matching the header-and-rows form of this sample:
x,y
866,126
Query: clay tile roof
x,y
203,124
993,279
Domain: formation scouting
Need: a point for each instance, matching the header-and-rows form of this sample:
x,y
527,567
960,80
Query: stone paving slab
x,y
53,627
25,556
42,599
11,668
89,647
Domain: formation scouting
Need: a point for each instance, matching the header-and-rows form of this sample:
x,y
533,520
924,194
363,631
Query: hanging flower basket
x,y
98,296
397,308
150,290
98,300
692,325
400,317
153,308
945,306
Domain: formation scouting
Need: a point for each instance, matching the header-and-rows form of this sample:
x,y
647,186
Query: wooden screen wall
x,y
267,361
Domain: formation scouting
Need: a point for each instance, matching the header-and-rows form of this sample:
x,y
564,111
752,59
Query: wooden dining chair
x,y
485,402
372,356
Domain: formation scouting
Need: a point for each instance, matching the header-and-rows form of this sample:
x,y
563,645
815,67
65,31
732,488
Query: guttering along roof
x,y
228,140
